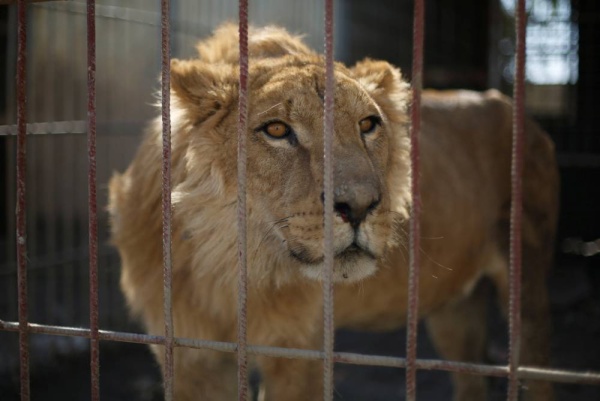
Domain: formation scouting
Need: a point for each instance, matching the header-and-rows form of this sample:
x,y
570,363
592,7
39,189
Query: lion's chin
x,y
346,268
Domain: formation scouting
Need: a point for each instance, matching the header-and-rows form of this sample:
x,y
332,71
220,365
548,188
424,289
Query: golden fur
x,y
465,178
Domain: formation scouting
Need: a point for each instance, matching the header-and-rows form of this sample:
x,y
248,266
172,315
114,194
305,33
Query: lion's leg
x,y
202,375
540,212
535,320
458,331
291,379
537,254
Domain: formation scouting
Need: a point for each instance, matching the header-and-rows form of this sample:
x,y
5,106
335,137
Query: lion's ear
x,y
385,84
202,89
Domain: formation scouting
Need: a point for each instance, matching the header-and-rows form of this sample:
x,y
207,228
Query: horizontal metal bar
x,y
78,127
79,332
112,12
559,376
6,2
45,128
524,372
125,14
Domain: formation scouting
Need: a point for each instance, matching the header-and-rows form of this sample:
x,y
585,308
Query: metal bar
x,y
328,183
514,307
76,127
138,16
524,372
242,352
47,128
6,2
21,197
415,227
166,199
92,201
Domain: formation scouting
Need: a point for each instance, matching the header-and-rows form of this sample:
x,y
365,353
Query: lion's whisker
x,y
270,108
435,262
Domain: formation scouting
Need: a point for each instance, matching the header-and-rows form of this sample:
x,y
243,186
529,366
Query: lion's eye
x,y
368,125
276,129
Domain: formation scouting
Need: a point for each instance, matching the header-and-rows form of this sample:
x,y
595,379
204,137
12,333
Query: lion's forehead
x,y
298,92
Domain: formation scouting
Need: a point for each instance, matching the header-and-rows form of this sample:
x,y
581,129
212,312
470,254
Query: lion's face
x,y
286,150
285,158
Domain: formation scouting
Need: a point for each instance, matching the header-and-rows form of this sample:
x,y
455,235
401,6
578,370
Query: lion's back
x,y
467,146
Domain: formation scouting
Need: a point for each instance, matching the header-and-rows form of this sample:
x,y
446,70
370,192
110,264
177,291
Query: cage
x,y
467,44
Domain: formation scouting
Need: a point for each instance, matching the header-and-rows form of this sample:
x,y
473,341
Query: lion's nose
x,y
354,204
354,213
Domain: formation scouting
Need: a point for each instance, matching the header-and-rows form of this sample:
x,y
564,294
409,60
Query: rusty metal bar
x,y
92,201
21,197
514,307
415,227
242,353
328,183
166,198
523,372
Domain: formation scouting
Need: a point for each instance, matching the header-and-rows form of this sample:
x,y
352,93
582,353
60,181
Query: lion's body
x,y
465,189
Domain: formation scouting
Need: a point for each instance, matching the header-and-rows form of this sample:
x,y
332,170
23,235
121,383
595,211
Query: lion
x,y
465,198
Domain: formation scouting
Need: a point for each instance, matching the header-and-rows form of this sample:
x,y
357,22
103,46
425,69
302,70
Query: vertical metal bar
x,y
21,192
516,203
93,217
328,129
242,354
166,199
415,226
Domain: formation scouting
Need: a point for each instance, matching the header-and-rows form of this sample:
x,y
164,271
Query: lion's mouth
x,y
350,253
353,251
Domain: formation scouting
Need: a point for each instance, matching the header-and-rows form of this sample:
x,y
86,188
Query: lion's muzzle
x,y
357,191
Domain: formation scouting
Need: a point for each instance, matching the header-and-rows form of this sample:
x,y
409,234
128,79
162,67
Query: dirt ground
x,y
129,373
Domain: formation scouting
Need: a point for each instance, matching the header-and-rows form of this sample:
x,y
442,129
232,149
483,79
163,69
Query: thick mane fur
x,y
266,42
